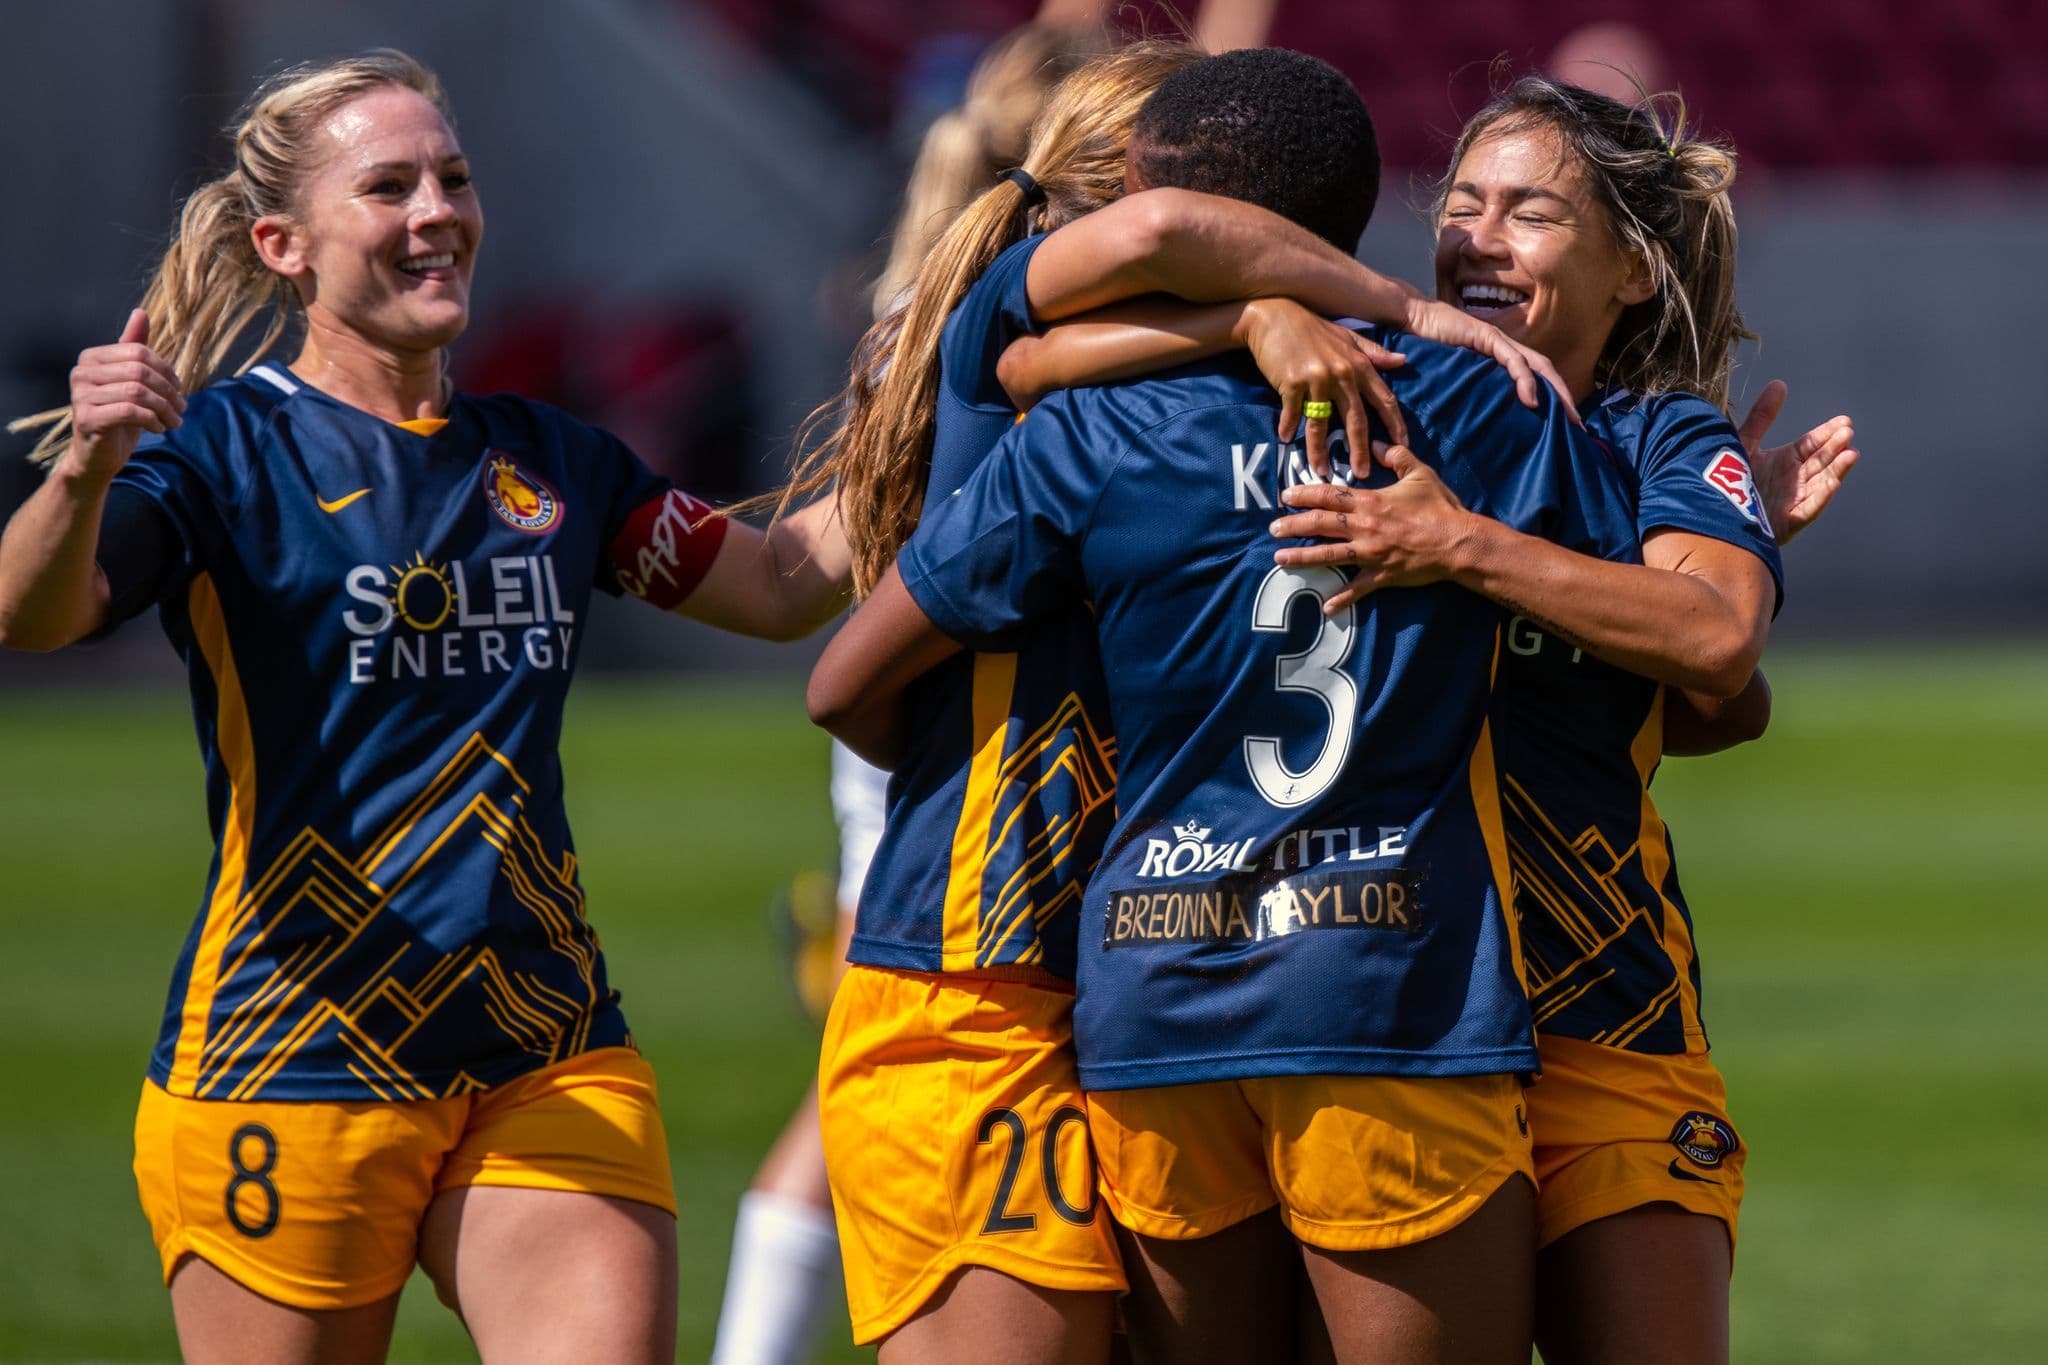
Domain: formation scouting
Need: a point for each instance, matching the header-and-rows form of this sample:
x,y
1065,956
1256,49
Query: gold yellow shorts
x,y
1356,1163
1615,1130
318,1205
956,1134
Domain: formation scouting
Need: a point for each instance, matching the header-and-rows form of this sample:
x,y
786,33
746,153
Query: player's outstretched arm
x,y
52,592
1207,248
1694,615
1695,724
856,691
780,584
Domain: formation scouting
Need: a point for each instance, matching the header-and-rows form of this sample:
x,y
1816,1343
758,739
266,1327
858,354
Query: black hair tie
x,y
1034,193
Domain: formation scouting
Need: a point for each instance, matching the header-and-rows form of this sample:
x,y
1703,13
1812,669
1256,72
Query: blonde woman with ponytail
x,y
390,1039
1603,236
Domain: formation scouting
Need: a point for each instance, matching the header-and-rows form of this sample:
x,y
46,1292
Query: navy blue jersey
x,y
379,628
1605,929
1307,872
1002,798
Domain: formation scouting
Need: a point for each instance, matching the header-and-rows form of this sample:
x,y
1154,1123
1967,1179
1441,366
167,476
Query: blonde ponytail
x,y
211,285
878,447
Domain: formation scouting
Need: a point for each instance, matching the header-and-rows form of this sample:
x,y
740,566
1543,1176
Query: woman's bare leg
x,y
548,1275
1645,1287
222,1323
1461,1298
984,1317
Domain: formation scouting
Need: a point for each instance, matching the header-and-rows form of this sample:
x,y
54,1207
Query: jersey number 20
x,y
1315,670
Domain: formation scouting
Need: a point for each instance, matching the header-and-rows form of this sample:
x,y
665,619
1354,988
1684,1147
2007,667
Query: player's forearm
x,y
1119,342
1676,628
1695,724
51,590
1203,248
856,691
811,566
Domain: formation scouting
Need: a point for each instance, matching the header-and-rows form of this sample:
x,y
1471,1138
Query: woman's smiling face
x,y
387,224
1524,244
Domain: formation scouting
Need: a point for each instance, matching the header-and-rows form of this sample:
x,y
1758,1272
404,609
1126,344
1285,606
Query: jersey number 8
x,y
1316,671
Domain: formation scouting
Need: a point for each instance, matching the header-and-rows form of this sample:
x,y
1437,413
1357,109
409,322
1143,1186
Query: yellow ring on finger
x,y
1318,409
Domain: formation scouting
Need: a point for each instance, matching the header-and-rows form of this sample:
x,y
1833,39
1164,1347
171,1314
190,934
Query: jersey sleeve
x,y
1005,549
659,541
167,511
1695,477
995,312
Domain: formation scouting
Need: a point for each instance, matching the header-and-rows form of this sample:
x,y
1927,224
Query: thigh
x,y
956,1135
549,1275
1460,1298
1645,1287
985,1317
222,1323
1228,1297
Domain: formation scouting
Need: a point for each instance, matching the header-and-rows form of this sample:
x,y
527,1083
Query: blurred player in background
x,y
390,1038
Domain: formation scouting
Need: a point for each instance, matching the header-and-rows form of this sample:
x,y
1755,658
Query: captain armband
x,y
666,547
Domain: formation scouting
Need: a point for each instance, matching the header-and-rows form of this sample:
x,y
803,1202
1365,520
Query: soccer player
x,y
785,1252
390,1038
1296,982
1603,235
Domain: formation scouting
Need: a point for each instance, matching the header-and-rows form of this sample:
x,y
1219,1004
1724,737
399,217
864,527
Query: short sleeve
x,y
1694,476
1005,549
139,552
995,312
166,518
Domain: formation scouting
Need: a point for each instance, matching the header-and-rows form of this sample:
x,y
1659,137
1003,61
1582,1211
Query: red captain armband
x,y
666,547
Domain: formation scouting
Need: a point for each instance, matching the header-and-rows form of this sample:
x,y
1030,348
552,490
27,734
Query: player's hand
x,y
1796,482
117,393
1306,357
1437,321
1401,536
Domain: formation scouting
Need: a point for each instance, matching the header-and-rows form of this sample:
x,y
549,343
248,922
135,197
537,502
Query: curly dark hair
x,y
1274,128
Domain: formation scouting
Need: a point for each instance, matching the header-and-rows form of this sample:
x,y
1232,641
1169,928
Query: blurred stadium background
x,y
685,199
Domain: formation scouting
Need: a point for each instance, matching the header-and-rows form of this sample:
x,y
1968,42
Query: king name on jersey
x,y
431,620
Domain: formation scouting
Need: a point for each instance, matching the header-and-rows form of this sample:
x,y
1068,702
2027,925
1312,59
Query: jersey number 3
x,y
1316,671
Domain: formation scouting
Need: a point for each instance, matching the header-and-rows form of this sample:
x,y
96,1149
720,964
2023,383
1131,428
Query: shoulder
x,y
224,424
1453,390
1653,430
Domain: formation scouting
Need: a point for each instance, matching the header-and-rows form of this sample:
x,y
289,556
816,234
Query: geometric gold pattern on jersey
x,y
1578,921
1050,789
362,978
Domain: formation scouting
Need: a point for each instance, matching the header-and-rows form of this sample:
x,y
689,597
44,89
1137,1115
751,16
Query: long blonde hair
x,y
880,450
1665,189
968,146
211,285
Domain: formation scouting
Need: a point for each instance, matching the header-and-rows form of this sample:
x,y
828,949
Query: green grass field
x,y
1867,883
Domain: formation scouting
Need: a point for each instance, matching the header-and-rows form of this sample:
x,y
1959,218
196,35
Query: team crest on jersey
x,y
522,501
1729,473
1706,1141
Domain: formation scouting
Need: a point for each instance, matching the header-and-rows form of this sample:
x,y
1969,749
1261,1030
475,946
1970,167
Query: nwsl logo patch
x,y
522,501
1729,473
1706,1141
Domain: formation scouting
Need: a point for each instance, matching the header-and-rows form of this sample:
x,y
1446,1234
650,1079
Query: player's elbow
x,y
1727,661
1018,371
829,700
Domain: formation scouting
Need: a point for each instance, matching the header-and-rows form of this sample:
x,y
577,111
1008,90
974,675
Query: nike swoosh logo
x,y
344,500
1681,1173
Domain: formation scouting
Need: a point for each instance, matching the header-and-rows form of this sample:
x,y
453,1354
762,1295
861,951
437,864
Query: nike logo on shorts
x,y
1679,1172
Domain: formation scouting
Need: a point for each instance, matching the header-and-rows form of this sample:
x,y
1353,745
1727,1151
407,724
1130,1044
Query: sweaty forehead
x,y
1522,158
392,124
